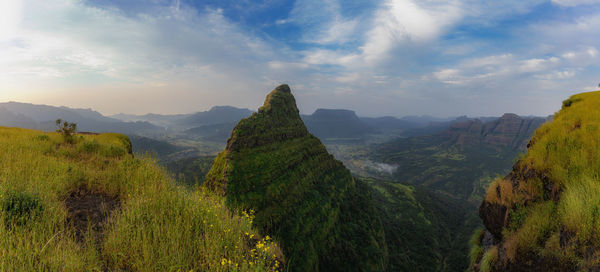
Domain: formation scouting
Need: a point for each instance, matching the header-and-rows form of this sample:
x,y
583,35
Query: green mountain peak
x,y
302,196
277,120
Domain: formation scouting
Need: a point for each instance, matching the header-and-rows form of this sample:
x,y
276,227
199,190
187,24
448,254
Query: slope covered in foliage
x,y
545,215
322,217
92,206
461,160
424,231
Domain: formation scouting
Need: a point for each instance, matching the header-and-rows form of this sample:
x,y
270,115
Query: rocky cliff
x,y
301,195
545,214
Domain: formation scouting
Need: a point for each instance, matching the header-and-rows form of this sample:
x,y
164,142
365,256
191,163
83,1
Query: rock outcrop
x,y
323,217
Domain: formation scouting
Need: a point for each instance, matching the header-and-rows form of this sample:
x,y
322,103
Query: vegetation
x,y
152,226
556,193
461,161
323,218
191,171
66,129
424,231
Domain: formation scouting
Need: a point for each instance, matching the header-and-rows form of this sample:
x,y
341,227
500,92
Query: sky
x,y
377,57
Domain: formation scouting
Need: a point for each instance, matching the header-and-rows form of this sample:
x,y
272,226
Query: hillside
x,y
322,217
462,159
92,206
424,231
543,216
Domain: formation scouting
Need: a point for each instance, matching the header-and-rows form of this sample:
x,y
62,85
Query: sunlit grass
x,y
562,210
159,226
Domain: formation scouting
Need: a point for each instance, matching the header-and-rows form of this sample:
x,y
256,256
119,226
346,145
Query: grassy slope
x,y
554,216
159,227
302,195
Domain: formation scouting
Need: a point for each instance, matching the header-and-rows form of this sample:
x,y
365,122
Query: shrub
x,y
67,130
20,207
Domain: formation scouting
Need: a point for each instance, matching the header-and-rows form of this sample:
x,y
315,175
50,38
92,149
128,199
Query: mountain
x,y
43,117
543,215
216,115
214,133
323,218
92,206
336,123
389,123
44,113
9,119
159,149
425,120
156,119
508,132
462,159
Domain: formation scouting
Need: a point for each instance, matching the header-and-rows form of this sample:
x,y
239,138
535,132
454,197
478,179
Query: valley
x,y
426,175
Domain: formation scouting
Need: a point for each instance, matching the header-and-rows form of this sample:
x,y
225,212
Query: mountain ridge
x,y
302,196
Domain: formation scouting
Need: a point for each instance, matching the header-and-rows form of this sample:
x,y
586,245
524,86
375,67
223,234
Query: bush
x,y
20,207
90,146
67,130
42,137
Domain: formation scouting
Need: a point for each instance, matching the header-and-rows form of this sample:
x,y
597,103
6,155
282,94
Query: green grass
x,y
488,259
476,251
158,227
557,196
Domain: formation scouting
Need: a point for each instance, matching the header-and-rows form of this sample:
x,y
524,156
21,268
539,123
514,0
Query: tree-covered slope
x,y
322,217
463,159
544,215
424,230
91,206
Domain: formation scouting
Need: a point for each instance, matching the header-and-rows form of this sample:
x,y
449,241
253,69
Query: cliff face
x,y
544,215
324,219
509,131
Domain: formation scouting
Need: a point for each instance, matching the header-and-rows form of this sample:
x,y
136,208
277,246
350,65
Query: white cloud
x,y
11,15
499,67
71,45
406,21
322,22
565,74
537,64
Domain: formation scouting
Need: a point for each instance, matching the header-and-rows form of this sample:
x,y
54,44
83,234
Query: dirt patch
x,y
89,211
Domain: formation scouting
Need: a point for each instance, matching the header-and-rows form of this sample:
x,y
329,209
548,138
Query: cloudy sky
x,y
377,57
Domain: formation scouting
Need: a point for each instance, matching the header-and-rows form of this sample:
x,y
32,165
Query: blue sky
x,y
383,57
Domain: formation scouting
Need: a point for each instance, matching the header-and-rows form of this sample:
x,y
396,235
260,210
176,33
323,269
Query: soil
x,y
89,211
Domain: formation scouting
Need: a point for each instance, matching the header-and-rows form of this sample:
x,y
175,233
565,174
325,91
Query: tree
x,y
66,129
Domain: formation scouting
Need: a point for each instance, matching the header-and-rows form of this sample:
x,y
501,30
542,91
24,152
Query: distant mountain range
x,y
43,117
216,123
